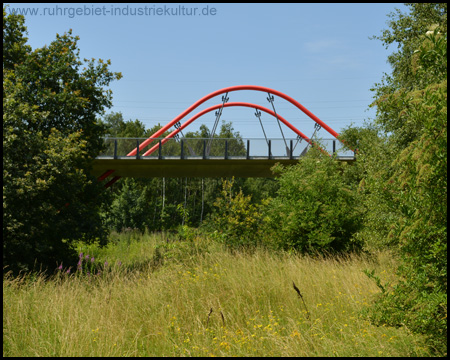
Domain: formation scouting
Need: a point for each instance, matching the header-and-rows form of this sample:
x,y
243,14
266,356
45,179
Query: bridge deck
x,y
193,167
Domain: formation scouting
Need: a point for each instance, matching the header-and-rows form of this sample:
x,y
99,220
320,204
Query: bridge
x,y
175,156
189,157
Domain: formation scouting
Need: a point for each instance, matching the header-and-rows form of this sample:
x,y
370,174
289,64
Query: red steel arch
x,y
231,89
195,117
215,107
219,92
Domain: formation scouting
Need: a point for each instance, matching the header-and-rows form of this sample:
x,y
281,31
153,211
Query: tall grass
x,y
158,303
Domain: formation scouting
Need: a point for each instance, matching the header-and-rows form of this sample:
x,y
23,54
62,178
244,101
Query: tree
x,y
237,222
167,203
117,127
408,188
315,209
136,203
14,40
408,32
420,62
129,208
370,172
418,192
50,136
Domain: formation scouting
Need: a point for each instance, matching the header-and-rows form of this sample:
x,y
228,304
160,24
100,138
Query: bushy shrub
x,y
235,220
315,209
419,192
407,191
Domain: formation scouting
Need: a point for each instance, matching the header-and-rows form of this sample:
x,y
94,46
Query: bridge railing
x,y
218,148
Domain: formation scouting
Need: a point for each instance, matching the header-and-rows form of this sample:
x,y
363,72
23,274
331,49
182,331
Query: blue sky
x,y
319,54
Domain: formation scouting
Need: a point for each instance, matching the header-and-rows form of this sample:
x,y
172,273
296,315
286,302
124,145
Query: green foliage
x,y
48,198
128,209
315,208
168,203
236,220
187,233
405,31
371,173
50,135
407,190
14,40
417,64
117,127
260,188
419,190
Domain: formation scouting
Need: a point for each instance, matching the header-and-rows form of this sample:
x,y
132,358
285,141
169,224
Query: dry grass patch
x,y
166,311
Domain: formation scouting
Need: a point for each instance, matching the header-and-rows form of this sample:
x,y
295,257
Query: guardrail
x,y
219,148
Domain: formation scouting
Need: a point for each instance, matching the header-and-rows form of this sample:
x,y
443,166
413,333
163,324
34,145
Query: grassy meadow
x,y
158,295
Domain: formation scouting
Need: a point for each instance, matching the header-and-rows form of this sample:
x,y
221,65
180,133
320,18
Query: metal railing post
x,y
160,150
137,146
334,146
291,155
269,144
248,149
226,149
